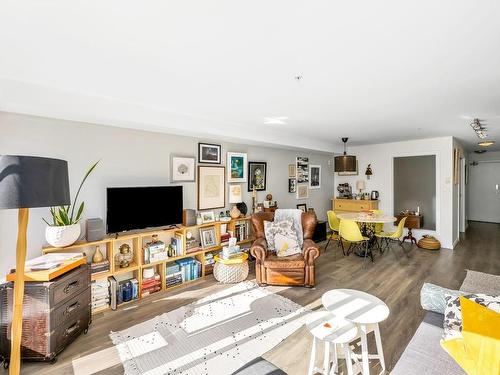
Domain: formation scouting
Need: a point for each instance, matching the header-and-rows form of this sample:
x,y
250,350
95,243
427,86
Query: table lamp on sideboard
x,y
28,182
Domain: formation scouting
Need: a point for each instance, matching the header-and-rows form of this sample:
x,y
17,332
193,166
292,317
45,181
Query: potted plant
x,y
65,227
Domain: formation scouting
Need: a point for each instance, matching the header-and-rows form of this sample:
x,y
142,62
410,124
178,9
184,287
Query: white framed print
x,y
182,168
211,187
302,191
207,217
314,176
236,167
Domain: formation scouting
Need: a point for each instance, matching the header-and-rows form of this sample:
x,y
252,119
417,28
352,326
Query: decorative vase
x,y
235,213
62,236
97,257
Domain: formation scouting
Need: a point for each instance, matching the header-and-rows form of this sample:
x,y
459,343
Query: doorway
x,y
484,188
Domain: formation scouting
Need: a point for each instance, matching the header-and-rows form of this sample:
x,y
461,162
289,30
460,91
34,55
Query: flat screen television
x,y
130,208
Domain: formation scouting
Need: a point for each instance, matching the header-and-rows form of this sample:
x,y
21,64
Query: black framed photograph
x,y
257,171
315,177
209,153
292,185
302,207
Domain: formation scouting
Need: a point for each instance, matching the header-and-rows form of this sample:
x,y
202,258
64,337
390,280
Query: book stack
x,y
174,275
177,244
241,230
209,263
190,268
100,294
151,285
192,245
99,267
224,238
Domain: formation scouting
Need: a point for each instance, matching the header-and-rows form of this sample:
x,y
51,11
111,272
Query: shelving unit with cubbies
x,y
109,247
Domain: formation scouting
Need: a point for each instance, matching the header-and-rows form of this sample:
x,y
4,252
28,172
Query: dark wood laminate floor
x,y
396,280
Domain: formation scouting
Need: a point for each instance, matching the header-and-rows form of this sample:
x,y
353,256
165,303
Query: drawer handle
x,y
71,285
71,307
72,328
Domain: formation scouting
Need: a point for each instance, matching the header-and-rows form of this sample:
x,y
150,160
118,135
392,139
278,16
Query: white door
x,y
484,192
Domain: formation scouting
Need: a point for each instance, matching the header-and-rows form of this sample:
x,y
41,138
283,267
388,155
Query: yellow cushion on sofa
x,y
478,352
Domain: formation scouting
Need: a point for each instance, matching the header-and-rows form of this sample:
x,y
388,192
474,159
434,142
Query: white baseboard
x,y
457,240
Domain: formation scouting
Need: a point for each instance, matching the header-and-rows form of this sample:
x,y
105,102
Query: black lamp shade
x,y
345,163
29,181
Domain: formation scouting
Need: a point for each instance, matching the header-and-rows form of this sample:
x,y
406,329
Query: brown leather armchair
x,y
291,270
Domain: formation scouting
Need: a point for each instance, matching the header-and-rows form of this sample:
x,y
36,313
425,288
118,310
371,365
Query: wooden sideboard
x,y
354,205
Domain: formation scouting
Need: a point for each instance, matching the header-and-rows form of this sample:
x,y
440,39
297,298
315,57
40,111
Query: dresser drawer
x,y
70,308
70,286
354,205
69,331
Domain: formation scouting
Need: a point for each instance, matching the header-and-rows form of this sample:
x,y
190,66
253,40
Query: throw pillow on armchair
x,y
271,228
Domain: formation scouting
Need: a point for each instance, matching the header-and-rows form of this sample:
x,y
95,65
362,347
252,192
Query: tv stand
x,y
138,239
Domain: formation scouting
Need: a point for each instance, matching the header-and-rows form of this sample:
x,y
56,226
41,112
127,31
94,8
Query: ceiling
x,y
373,71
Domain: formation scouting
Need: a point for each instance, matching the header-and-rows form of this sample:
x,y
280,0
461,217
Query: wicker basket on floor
x,y
429,243
230,273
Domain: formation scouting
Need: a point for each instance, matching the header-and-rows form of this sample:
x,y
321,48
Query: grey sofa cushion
x,y
480,282
259,366
424,354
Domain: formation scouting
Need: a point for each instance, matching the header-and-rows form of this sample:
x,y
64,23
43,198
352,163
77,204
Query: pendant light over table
x,y
345,163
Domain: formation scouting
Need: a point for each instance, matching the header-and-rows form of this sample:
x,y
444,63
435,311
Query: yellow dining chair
x,y
386,238
334,224
349,231
379,227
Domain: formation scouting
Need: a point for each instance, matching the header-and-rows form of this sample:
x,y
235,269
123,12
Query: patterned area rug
x,y
212,336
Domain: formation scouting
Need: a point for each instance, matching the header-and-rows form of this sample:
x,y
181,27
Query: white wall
x,y
483,198
380,156
130,158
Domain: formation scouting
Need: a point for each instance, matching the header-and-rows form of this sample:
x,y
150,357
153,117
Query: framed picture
x,y
302,191
207,217
349,173
302,207
209,153
182,168
211,187
257,171
207,236
314,176
292,185
302,169
291,170
236,167
235,193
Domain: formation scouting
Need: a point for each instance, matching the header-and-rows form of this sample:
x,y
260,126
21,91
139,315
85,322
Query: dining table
x,y
367,221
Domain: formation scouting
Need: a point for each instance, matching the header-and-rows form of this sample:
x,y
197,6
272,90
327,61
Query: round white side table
x,y
331,330
364,310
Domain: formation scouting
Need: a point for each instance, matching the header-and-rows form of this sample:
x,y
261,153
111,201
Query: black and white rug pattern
x,y
214,335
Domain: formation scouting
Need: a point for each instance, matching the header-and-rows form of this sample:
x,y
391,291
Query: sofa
x,y
291,270
424,354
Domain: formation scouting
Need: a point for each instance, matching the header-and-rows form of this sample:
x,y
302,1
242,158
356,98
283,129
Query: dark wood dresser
x,y
55,313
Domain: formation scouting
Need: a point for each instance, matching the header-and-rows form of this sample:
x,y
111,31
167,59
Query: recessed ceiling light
x,y
279,120
486,143
480,151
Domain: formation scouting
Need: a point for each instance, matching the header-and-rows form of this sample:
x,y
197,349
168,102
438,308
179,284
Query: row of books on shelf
x,y
241,230
183,270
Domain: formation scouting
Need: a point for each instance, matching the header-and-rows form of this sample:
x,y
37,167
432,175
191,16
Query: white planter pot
x,y
62,236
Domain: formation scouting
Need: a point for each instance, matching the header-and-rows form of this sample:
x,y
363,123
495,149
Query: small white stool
x,y
331,330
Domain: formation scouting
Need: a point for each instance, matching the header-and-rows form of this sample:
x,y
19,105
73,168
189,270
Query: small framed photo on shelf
x,y
207,217
292,185
302,191
182,168
315,177
208,238
236,167
291,171
257,175
302,207
209,153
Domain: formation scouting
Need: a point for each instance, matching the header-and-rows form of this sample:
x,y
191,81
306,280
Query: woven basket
x,y
429,243
230,273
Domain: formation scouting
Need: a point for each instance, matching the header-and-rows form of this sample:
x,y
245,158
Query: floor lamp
x,y
27,182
